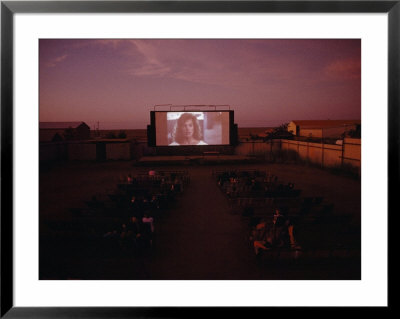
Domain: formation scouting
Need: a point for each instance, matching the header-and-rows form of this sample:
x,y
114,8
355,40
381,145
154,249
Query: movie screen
x,y
192,128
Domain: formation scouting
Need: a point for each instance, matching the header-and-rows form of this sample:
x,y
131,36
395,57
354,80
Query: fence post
x,y
342,159
322,147
323,151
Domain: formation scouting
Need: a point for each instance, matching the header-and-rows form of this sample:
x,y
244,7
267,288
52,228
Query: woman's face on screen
x,y
188,128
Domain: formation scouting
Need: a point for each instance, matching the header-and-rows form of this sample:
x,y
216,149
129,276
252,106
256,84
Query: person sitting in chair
x,y
276,235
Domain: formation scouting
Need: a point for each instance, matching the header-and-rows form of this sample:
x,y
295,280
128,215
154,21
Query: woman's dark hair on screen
x,y
178,135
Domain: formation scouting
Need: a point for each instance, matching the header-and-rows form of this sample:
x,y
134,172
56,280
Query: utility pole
x,y
322,148
344,136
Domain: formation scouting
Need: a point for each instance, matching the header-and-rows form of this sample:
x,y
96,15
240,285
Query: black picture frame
x,y
9,8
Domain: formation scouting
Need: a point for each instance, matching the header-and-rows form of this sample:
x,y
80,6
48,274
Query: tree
x,y
355,133
110,135
279,132
122,134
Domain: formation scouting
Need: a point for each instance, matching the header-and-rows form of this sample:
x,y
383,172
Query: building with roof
x,y
63,131
322,128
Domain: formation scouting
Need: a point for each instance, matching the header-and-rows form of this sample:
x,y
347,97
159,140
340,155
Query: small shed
x,y
322,128
63,131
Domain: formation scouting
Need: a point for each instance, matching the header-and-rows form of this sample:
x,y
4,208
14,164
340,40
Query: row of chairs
x,y
156,176
235,172
253,184
254,206
303,209
97,228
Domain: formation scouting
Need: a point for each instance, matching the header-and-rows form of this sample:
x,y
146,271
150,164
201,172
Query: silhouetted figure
x,y
279,234
148,227
152,172
135,206
131,234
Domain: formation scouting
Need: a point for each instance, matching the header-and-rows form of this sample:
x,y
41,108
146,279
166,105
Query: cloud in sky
x,y
108,79
199,63
53,62
344,69
196,63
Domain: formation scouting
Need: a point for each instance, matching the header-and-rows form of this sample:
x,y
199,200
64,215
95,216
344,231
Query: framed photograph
x,y
182,158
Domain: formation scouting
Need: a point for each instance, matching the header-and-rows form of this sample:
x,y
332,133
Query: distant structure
x,y
322,128
63,131
248,132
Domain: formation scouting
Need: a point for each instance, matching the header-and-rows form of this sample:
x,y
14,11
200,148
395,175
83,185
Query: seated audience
x,y
279,234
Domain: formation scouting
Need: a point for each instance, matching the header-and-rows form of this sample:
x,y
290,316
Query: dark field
x,y
198,236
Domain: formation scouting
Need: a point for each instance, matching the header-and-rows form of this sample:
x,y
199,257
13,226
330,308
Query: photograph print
x,y
199,159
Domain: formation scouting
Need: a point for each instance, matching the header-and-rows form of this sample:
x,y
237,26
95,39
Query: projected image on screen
x,y
192,128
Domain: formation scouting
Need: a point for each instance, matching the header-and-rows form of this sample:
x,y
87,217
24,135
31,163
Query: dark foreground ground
x,y
198,237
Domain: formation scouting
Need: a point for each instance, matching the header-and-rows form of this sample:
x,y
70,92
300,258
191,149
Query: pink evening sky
x,y
266,82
